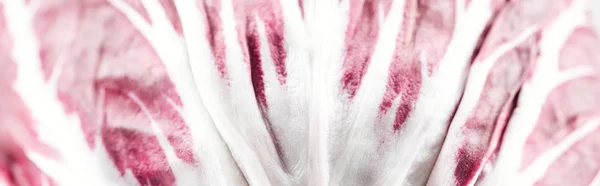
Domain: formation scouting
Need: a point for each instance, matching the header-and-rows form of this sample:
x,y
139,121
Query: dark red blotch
x,y
468,163
361,37
256,71
138,150
214,34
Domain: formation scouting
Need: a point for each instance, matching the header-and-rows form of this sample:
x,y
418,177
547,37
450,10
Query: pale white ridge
x,y
184,173
108,169
206,76
369,94
538,168
62,56
390,115
172,51
534,93
481,69
157,15
596,180
297,87
325,22
135,18
243,106
573,73
433,101
286,121
274,92
473,89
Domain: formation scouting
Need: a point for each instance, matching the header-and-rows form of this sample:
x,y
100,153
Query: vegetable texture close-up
x,y
299,92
